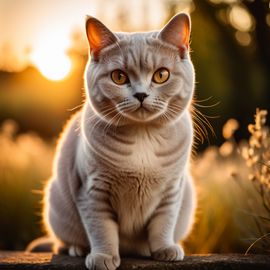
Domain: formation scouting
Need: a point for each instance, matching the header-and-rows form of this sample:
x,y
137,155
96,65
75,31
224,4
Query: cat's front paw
x,y
101,261
170,253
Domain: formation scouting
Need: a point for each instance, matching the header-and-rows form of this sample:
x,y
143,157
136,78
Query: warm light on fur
x,y
121,183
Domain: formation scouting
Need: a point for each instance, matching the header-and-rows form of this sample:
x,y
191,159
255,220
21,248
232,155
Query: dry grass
x,y
221,204
257,156
25,162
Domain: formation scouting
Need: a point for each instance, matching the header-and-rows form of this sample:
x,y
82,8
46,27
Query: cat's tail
x,y
41,244
47,244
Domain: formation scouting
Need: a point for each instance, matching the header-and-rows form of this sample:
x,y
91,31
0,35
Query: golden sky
x,y
28,24
31,23
39,32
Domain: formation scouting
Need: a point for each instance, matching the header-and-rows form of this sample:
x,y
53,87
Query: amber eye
x,y
161,75
119,77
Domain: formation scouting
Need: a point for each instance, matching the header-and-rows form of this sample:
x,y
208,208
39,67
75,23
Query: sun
x,y
52,65
51,59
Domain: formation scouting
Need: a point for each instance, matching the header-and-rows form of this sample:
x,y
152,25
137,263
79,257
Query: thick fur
x,y
121,181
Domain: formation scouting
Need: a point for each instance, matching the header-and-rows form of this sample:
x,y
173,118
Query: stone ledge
x,y
42,261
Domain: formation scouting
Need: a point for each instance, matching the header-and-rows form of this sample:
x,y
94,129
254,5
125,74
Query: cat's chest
x,y
156,152
139,193
144,164
144,153
149,150
141,150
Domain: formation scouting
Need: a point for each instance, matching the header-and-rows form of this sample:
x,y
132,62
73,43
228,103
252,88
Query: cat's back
x,y
68,141
65,179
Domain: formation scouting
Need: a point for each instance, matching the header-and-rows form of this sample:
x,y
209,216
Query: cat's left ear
x,y
99,36
177,32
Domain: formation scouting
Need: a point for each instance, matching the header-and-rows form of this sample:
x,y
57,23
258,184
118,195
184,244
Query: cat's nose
x,y
140,96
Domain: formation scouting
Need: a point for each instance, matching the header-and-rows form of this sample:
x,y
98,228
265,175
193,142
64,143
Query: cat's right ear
x,y
99,36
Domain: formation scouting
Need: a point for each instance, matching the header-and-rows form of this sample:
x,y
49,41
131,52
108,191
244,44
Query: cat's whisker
x,y
109,124
176,106
167,116
202,100
202,124
100,120
158,104
206,106
118,112
158,107
117,123
75,108
127,107
201,130
105,109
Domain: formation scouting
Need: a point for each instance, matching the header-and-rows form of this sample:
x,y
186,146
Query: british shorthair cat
x,y
121,183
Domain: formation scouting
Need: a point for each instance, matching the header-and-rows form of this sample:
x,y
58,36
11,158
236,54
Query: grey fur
x,y
121,181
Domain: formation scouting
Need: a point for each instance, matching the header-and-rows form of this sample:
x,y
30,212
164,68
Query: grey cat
x,y
121,181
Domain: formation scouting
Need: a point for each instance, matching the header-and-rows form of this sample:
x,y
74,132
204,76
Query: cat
x,y
121,183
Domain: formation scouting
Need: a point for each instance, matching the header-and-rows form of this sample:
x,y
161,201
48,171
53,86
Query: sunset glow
x,y
50,57
53,65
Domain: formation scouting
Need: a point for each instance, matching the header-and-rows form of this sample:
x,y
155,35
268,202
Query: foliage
x,y
25,162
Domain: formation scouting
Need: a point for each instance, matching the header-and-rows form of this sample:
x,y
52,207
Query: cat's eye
x,y
119,77
161,75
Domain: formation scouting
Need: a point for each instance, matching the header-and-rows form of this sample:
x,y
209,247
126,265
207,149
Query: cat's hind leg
x,y
187,209
77,251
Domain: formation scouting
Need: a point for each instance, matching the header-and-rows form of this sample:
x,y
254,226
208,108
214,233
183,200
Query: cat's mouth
x,y
142,108
141,114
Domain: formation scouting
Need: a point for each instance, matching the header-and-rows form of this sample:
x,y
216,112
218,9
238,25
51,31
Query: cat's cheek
x,y
113,92
99,98
185,91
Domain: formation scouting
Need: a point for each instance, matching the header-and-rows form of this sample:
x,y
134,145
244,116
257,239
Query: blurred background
x,y
43,52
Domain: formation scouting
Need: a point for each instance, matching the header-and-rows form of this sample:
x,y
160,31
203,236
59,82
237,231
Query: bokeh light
x,y
240,18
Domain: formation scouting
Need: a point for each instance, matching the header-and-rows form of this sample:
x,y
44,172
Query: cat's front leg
x,y
102,229
161,228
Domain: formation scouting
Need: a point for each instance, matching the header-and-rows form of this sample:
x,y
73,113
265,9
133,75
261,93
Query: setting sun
x,y
50,56
54,67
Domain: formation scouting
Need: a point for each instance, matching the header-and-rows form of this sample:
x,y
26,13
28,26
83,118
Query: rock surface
x,y
42,261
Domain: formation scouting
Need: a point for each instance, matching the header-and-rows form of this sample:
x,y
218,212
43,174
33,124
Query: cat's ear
x,y
99,36
177,32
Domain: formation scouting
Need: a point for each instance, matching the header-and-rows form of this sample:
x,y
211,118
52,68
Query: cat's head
x,y
140,77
